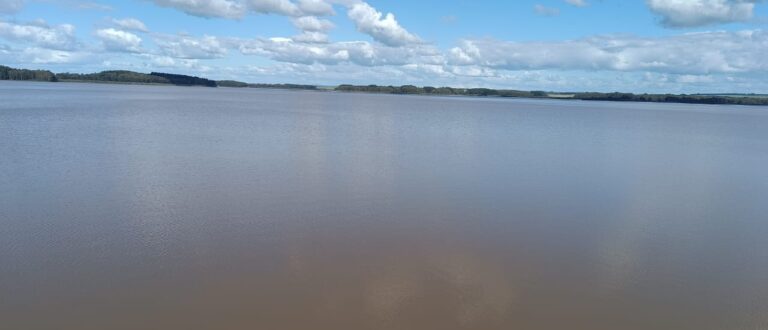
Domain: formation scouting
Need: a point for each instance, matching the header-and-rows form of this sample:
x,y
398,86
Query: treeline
x,y
672,98
428,90
7,73
231,83
182,80
116,77
284,86
130,77
240,84
621,97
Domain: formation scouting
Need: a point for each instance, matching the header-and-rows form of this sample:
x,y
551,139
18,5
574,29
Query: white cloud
x,y
356,52
699,53
131,24
11,6
48,56
119,41
693,13
188,47
231,9
316,7
683,63
290,8
280,7
694,79
312,23
473,71
545,11
577,3
38,33
383,28
236,9
160,61
311,37
75,4
287,50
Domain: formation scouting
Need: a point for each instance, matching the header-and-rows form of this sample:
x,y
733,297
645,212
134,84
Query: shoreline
x,y
190,81
555,97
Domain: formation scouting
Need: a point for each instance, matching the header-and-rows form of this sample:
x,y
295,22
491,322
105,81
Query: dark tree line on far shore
x,y
621,97
115,76
130,77
410,89
7,73
182,80
672,98
240,84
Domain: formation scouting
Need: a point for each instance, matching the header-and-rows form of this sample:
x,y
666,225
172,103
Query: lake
x,y
156,207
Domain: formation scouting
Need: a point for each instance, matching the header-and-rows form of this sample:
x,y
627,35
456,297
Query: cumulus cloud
x,y
231,9
236,9
694,79
189,47
119,41
10,6
356,52
699,53
316,7
694,13
382,28
280,7
312,23
161,61
289,8
311,37
130,24
304,13
40,34
38,55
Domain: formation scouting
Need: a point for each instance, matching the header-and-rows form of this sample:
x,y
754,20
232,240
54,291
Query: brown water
x,y
136,207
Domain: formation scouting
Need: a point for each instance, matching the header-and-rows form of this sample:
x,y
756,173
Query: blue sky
x,y
559,45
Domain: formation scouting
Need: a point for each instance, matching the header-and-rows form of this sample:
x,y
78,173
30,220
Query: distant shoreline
x,y
123,77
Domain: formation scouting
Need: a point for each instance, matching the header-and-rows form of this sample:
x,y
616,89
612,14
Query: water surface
x,y
149,207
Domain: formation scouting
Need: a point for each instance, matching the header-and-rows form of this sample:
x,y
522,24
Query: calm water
x,y
136,207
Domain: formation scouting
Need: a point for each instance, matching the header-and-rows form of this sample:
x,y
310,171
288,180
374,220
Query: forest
x,y
114,76
7,73
130,77
182,80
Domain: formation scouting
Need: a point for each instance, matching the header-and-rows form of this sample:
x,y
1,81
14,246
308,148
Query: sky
x,y
654,46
